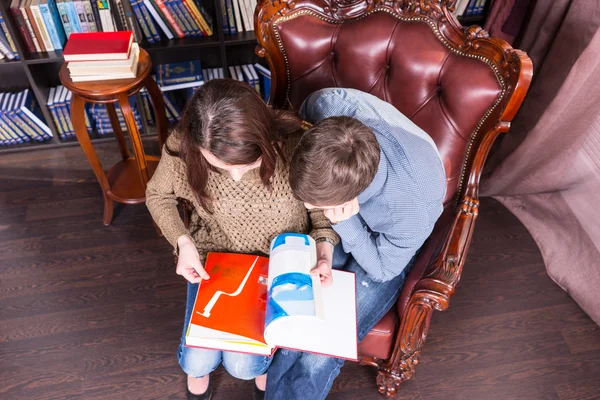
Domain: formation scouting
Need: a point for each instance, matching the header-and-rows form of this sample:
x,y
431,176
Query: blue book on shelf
x,y
7,104
149,21
61,37
181,72
28,108
73,16
60,111
170,4
225,18
52,108
8,37
6,45
470,8
22,119
63,13
266,80
135,5
231,16
194,27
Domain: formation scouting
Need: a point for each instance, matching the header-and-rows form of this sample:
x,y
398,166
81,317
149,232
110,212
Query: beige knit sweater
x,y
246,215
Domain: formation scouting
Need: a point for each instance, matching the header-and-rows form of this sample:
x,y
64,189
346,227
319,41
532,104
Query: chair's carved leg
x,y
413,331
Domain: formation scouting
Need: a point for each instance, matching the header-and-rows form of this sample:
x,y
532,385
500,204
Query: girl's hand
x,y
188,262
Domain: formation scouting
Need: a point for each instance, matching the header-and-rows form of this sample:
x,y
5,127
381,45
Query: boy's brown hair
x,y
334,162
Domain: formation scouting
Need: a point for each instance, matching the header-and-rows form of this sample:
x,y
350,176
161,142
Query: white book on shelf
x,y
244,14
238,15
221,73
240,75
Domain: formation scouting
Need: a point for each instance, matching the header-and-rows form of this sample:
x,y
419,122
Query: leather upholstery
x,y
379,341
402,62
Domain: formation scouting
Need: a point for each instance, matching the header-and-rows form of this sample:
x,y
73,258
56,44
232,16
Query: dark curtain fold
x,y
546,170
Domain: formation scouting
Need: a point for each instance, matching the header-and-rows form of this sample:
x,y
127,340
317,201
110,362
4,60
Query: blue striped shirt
x,y
400,207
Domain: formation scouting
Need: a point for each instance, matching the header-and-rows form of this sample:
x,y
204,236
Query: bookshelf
x,y
39,71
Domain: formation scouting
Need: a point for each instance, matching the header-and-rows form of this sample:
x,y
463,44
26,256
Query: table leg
x,y
114,121
78,119
158,105
134,135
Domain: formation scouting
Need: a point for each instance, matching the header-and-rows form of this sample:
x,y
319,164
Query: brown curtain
x,y
546,170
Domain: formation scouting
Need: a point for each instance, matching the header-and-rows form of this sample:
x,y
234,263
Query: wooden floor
x,y
94,312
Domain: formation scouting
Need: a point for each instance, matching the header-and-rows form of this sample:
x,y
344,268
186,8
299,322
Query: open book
x,y
254,304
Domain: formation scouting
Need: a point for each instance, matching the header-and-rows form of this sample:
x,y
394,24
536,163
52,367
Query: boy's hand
x,y
324,260
188,262
343,212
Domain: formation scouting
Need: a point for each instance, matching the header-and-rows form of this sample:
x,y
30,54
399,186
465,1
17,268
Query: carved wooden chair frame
x,y
447,247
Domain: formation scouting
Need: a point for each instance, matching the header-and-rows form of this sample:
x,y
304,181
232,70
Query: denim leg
x,y
245,366
297,376
194,361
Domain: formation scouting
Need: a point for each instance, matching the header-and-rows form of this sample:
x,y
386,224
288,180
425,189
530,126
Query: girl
x,y
228,159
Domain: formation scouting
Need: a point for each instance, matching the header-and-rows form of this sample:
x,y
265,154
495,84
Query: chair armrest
x,y
442,260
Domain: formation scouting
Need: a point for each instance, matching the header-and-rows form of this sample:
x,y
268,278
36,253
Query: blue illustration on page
x,y
290,294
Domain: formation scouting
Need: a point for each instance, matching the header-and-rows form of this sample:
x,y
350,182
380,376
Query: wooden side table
x,y
126,181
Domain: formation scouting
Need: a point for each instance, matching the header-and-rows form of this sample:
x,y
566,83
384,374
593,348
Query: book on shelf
x,y
7,43
265,76
255,304
21,119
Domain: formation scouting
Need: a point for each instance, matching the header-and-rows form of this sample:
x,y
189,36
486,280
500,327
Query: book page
x,y
291,290
334,335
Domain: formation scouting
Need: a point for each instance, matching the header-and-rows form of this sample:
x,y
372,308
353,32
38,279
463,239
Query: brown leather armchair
x,y
455,82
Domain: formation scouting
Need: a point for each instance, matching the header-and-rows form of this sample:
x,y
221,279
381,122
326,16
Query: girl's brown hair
x,y
229,119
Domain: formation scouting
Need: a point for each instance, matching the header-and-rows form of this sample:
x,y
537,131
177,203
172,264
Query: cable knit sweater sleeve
x,y
162,201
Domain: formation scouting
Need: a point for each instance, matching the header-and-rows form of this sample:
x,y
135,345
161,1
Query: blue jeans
x,y
198,362
294,375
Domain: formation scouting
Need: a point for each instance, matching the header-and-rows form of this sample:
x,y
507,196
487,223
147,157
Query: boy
x,y
380,180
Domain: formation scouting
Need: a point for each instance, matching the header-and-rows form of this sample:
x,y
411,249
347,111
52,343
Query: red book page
x,y
242,312
99,43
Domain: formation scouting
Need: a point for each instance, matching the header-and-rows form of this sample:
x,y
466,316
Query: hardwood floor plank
x,y
588,389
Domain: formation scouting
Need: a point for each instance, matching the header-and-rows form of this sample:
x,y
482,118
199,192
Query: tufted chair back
x,y
451,81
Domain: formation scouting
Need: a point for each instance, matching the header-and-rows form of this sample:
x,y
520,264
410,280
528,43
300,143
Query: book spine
x,y
20,22
238,15
231,16
199,17
470,8
184,27
64,19
42,30
73,17
81,14
60,110
5,49
105,16
57,124
96,12
180,9
121,20
10,122
225,18
32,130
148,111
29,24
131,21
67,110
165,11
49,22
9,39
191,17
154,13
89,14
150,22
11,129
138,14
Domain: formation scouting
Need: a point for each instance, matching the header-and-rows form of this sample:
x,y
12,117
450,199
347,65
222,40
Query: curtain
x,y
546,170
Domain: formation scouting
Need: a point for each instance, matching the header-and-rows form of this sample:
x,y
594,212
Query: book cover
x,y
98,46
21,26
81,15
5,47
175,13
183,17
157,17
170,18
64,18
202,21
173,73
50,25
8,36
256,304
41,24
131,20
135,5
31,26
151,25
89,15
197,25
230,17
237,15
73,16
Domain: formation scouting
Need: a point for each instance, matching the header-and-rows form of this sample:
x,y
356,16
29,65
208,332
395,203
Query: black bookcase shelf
x,y
39,71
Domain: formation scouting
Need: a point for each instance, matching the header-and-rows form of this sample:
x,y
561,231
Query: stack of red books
x,y
101,56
